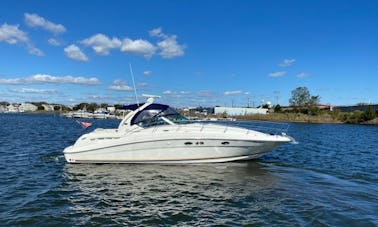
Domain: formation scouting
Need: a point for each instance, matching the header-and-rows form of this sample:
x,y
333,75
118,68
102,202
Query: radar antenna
x,y
135,90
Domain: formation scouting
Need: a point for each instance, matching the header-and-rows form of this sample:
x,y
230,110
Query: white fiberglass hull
x,y
173,145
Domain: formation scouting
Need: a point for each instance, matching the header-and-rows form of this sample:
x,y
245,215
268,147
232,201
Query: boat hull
x,y
172,151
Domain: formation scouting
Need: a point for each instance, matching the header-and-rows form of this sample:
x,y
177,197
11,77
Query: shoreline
x,y
273,117
301,118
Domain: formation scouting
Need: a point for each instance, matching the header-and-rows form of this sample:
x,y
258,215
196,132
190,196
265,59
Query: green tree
x,y
118,106
302,100
369,114
277,108
355,117
80,106
300,97
92,107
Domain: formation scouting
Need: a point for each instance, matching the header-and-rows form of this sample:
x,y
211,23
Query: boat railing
x,y
274,128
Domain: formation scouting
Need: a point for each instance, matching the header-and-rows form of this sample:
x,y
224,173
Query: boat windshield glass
x,y
156,116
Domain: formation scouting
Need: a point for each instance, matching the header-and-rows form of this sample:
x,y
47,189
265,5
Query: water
x,y
329,179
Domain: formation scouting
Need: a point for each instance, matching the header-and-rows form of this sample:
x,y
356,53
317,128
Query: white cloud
x,y
147,73
34,51
74,52
11,34
157,32
53,42
168,92
287,62
177,94
277,74
33,91
232,93
205,94
101,44
169,48
138,47
33,20
44,78
302,75
119,85
143,85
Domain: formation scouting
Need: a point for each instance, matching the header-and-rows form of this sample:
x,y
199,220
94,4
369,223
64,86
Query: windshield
x,y
158,115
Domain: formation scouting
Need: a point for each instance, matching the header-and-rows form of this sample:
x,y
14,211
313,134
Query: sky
x,y
188,52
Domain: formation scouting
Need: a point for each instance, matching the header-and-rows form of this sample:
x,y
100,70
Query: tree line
x,y
302,101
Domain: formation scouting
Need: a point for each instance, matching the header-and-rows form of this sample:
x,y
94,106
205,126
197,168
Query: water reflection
x,y
153,194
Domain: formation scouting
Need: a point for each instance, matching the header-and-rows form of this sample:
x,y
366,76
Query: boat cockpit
x,y
157,114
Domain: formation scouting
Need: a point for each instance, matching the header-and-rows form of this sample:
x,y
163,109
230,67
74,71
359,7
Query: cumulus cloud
x,y
147,73
74,52
157,32
11,34
138,47
185,92
44,79
227,93
168,46
119,85
34,51
101,44
33,20
33,91
277,74
205,93
168,92
287,62
53,42
143,85
302,75
177,93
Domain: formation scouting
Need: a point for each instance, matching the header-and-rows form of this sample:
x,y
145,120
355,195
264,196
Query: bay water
x,y
330,178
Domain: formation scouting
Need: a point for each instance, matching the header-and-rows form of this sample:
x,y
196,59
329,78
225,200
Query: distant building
x,y
235,111
13,108
48,107
111,109
201,110
27,107
3,109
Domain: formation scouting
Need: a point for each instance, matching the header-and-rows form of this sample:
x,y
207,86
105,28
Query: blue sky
x,y
191,53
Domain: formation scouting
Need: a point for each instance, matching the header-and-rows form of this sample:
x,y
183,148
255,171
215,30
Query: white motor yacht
x,y
156,133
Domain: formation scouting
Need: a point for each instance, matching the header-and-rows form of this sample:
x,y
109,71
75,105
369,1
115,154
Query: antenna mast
x,y
135,90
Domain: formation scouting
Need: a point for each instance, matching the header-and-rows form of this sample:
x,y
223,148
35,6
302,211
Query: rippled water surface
x,y
329,178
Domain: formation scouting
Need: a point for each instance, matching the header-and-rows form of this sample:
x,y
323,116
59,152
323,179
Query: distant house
x,y
111,109
27,107
235,111
48,107
200,110
325,107
3,109
13,108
